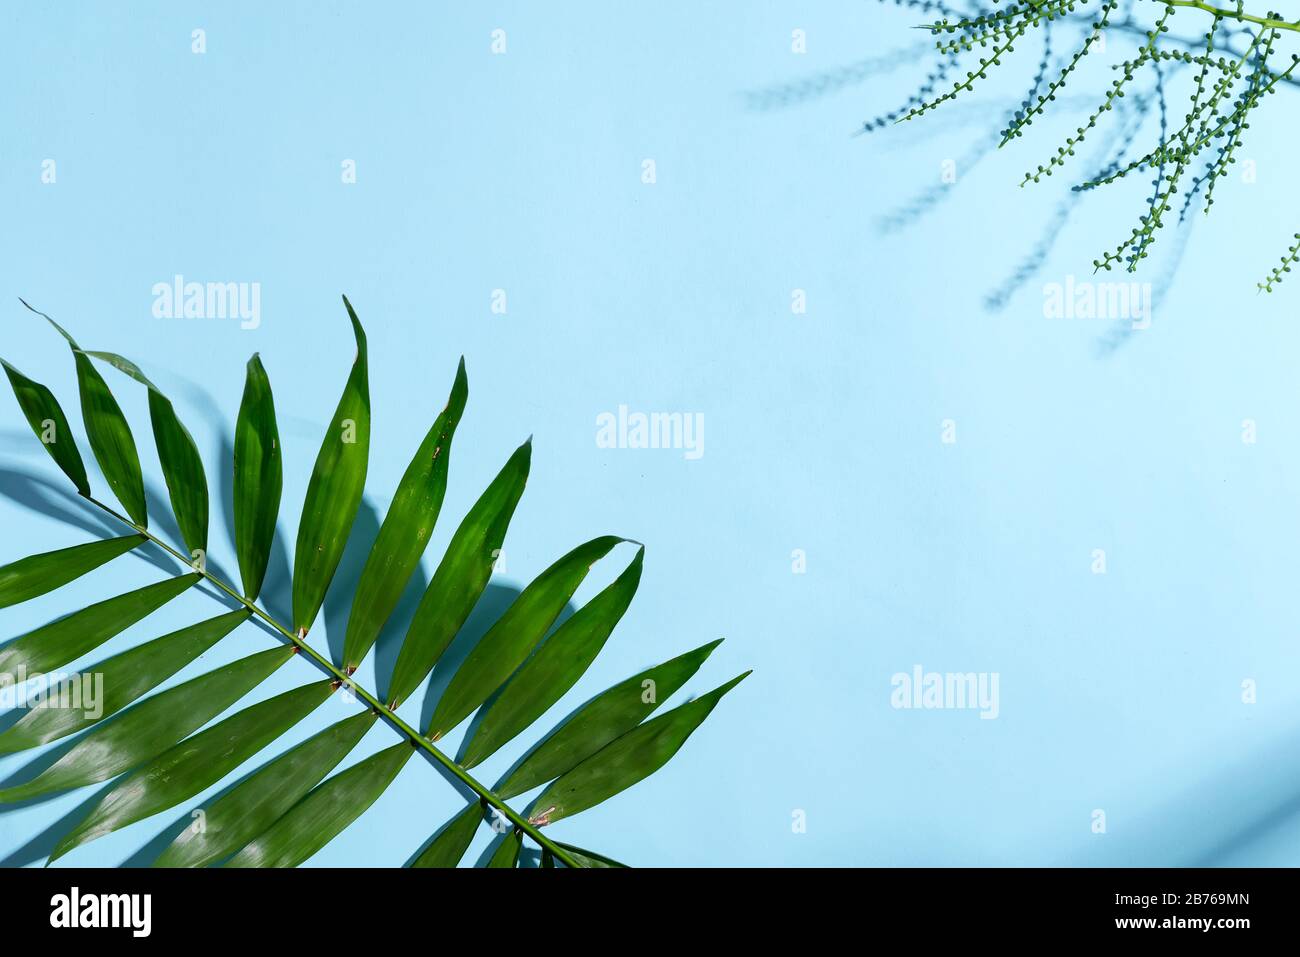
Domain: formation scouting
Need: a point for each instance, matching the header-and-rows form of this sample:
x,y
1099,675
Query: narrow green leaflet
x,y
259,801
406,530
110,436
334,492
558,664
45,416
123,679
37,574
259,478
54,645
187,768
601,720
636,755
315,820
461,576
589,858
111,440
152,726
187,485
507,852
451,843
514,635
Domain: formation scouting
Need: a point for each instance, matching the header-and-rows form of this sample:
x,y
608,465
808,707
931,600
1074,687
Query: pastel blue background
x,y
522,172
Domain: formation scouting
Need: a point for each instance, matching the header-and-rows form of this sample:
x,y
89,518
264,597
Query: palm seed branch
x,y
162,749
1232,68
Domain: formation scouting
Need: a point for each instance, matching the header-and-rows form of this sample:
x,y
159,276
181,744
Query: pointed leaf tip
x,y
334,491
516,634
556,666
396,551
601,720
627,760
258,475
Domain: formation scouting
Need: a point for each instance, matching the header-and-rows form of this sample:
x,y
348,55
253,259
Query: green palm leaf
x,y
182,468
162,742
450,844
259,478
257,803
54,645
325,812
35,575
629,759
406,530
515,634
461,576
45,416
507,852
151,727
334,492
589,858
110,435
604,718
125,677
185,769
556,667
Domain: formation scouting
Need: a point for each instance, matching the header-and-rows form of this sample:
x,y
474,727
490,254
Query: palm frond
x,y
161,748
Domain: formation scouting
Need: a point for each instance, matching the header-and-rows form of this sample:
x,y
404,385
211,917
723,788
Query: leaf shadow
x,y
38,494
389,643
1224,813
43,844
343,586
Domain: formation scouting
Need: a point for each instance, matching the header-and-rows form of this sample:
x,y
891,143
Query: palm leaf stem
x,y
417,740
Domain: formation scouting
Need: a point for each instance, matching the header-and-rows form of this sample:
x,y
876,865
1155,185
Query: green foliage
x,y
161,749
1230,85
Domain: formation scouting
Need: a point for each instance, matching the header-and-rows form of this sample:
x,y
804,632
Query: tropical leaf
x,y
182,468
515,634
556,667
124,677
450,844
54,645
461,577
185,769
151,727
589,858
110,435
35,575
507,852
311,823
406,530
259,478
604,718
334,492
45,416
258,802
163,743
629,759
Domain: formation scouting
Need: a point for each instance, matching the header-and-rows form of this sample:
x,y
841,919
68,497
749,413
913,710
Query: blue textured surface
x,y
523,172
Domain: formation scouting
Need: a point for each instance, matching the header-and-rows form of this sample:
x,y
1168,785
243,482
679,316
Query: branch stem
x,y
390,716
1237,14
